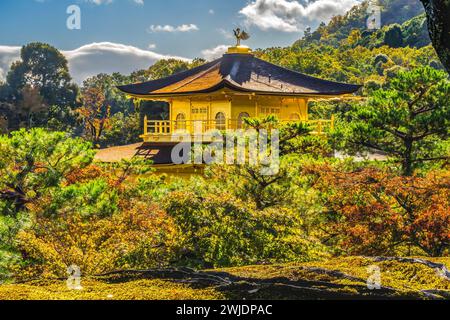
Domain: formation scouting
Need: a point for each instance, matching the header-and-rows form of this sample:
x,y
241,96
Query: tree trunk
x,y
407,158
438,18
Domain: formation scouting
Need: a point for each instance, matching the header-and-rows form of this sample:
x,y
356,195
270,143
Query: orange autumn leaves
x,y
95,113
373,212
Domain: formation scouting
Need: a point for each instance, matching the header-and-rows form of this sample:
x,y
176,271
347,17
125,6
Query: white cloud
x,y
99,2
228,34
214,53
169,28
94,58
211,11
289,15
7,56
151,46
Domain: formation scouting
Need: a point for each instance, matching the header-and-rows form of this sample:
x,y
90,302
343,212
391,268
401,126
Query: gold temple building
x,y
221,93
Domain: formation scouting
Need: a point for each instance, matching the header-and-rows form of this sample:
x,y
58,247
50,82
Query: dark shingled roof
x,y
243,73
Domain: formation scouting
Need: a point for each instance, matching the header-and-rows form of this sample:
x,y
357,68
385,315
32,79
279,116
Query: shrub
x,y
393,36
381,58
219,230
372,212
91,226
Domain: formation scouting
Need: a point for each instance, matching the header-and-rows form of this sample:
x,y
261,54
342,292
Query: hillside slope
x,y
402,24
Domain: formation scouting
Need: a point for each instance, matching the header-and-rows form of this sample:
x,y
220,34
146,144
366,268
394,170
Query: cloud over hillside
x,y
7,56
94,58
290,15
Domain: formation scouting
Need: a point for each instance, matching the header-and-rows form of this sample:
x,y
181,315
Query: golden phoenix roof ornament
x,y
240,35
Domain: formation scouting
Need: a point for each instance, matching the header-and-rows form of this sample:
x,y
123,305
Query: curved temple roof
x,y
242,73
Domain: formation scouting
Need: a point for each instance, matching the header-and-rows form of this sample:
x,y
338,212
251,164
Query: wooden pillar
x,y
171,119
307,109
210,121
145,125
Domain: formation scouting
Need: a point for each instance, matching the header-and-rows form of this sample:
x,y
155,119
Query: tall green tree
x,y
408,120
44,67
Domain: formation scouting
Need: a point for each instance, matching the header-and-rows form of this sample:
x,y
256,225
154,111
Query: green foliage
x,y
9,228
381,58
351,65
407,14
44,67
412,33
393,71
220,230
167,67
92,225
415,32
33,161
371,85
405,120
32,164
125,168
436,65
86,200
115,99
123,130
44,72
393,36
109,117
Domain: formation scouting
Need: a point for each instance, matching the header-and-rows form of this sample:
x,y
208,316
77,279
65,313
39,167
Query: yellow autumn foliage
x,y
138,234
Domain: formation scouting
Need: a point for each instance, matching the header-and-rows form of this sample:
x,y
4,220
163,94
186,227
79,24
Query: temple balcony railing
x,y
162,130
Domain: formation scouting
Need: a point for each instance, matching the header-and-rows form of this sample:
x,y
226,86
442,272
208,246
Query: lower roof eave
x,y
216,90
166,97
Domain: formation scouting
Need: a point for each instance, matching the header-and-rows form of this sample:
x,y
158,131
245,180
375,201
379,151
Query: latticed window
x,y
269,110
220,121
196,110
181,122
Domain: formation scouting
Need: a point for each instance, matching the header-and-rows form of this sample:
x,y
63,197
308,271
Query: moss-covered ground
x,y
340,278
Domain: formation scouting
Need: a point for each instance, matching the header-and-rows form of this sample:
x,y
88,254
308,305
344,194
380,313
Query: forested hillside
x,y
345,50
403,24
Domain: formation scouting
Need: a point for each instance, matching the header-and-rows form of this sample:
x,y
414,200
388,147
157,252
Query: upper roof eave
x,y
236,70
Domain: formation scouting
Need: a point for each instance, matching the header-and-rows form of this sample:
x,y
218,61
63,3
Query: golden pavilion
x,y
221,93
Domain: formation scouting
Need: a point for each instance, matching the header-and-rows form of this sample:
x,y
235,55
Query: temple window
x,y
181,121
220,121
241,118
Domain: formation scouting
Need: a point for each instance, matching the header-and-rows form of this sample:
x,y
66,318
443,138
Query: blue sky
x,y
121,21
158,28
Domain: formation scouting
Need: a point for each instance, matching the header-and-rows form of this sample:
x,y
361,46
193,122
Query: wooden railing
x,y
166,127
318,126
